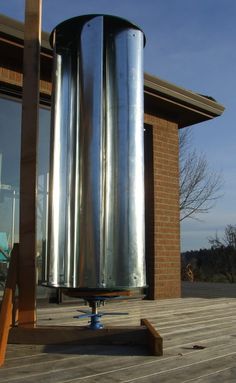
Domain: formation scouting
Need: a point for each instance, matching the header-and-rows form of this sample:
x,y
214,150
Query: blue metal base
x,y
95,322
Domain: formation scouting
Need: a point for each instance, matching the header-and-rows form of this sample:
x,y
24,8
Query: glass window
x,y
43,184
10,120
10,129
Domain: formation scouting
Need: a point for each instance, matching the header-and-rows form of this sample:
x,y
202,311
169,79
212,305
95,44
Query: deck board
x,y
207,320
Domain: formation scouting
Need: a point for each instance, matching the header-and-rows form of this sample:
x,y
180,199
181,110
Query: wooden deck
x,y
199,336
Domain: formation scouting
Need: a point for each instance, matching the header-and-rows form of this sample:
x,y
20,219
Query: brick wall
x,y
11,77
164,261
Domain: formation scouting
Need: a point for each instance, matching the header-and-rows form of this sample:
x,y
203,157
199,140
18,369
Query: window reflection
x,y
10,120
43,183
10,127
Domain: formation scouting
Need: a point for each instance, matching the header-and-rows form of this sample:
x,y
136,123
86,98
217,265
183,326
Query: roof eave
x,y
185,106
161,97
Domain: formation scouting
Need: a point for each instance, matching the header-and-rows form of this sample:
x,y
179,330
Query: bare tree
x,y
228,239
199,186
224,250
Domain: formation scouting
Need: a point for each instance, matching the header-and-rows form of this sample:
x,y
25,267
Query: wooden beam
x,y
28,181
144,335
10,77
80,335
7,306
155,341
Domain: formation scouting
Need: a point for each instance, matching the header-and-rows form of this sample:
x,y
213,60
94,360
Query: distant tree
x,y
199,186
211,265
228,239
225,250
230,236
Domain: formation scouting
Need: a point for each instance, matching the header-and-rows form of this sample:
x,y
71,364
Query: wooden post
x,y
28,181
7,307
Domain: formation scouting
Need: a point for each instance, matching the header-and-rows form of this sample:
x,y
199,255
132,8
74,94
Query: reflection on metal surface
x,y
96,205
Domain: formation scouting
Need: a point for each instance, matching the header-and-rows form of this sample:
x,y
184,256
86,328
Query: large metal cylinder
x,y
96,201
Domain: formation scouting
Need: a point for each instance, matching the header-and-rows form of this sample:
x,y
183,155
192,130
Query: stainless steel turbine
x,y
96,203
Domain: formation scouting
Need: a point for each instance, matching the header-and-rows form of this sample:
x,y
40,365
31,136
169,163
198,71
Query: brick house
x,y
167,109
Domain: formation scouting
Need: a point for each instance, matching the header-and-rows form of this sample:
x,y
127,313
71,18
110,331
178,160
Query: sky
x,y
192,44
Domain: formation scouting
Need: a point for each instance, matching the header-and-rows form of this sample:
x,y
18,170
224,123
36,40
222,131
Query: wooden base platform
x,y
199,343
143,335
26,333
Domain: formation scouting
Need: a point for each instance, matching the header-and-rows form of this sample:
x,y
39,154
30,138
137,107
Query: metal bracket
x,y
94,315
